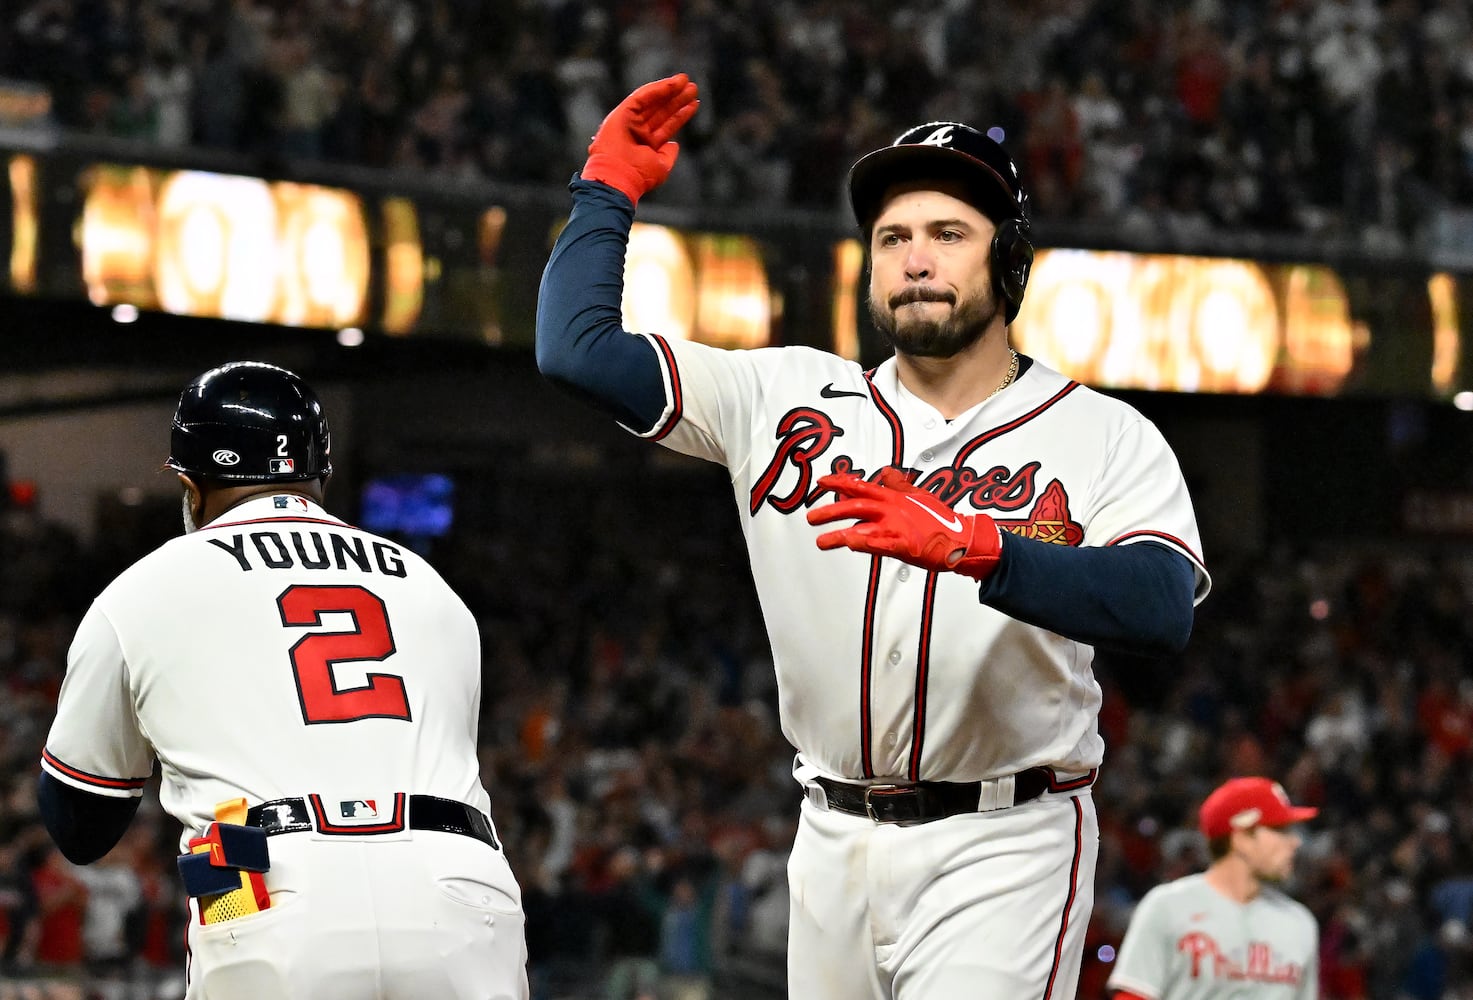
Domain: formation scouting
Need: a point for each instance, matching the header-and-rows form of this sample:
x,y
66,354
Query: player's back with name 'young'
x,y
281,641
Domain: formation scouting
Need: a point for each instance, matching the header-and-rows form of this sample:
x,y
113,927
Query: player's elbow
x,y
1176,631
84,826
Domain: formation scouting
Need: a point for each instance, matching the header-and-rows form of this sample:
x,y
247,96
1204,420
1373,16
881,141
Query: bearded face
x,y
930,289
925,322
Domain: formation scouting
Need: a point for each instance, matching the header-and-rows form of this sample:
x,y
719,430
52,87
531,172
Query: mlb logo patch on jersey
x,y
289,503
282,466
358,810
374,813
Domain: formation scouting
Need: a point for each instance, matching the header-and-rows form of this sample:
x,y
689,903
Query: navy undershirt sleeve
x,y
582,345
84,825
1132,598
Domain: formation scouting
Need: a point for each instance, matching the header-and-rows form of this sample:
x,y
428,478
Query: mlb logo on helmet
x,y
282,466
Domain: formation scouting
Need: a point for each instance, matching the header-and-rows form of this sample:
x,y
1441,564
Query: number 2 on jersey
x,y
314,654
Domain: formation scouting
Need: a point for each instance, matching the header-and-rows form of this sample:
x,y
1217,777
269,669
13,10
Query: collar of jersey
x,y
261,509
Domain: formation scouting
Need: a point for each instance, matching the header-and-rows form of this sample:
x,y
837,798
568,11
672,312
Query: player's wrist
x,y
617,173
979,556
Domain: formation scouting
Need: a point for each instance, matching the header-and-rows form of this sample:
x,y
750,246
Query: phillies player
x,y
311,694
993,522
1227,932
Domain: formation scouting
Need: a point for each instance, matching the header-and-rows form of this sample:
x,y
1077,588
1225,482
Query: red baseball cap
x,y
1243,803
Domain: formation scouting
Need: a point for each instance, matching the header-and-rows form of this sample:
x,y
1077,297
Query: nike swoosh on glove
x,y
632,151
895,518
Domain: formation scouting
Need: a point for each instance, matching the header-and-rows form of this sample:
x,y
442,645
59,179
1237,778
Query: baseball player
x,y
1227,932
985,522
311,692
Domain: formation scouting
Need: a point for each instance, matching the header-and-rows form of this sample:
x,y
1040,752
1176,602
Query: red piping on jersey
x,y
923,670
871,596
1053,973
866,654
277,520
1083,781
676,395
86,777
928,605
1011,425
897,433
1148,533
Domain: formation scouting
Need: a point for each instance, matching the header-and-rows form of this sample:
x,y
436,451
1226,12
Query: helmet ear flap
x,y
1012,261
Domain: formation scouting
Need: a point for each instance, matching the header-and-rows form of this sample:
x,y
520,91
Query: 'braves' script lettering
x,y
996,489
802,435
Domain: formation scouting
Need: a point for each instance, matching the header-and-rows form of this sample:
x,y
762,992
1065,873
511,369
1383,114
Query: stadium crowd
x,y
641,785
1351,118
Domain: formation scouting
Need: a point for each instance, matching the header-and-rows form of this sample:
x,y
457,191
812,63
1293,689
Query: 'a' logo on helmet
x,y
940,137
226,457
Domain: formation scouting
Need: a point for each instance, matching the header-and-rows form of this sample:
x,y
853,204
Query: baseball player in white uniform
x,y
933,638
1227,933
311,692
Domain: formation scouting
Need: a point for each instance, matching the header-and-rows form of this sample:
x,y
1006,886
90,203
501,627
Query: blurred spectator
x,y
61,907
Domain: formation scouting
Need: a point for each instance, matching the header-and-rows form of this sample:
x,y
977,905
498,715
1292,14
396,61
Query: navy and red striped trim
x,y
677,395
1148,533
1053,973
923,673
87,777
1011,425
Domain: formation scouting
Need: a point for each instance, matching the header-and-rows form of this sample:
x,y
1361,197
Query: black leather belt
x,y
357,818
925,801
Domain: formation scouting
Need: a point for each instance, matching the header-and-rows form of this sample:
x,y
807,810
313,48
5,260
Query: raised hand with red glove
x,y
632,151
895,518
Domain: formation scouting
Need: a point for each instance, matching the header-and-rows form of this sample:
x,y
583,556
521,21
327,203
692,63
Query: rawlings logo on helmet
x,y
226,457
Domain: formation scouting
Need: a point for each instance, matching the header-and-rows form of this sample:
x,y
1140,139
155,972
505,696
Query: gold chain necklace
x,y
1007,379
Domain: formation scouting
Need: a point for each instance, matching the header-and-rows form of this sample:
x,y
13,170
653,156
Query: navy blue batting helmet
x,y
250,422
957,152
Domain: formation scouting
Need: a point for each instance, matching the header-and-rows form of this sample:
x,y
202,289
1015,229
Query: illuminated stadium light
x,y
125,312
1463,400
350,336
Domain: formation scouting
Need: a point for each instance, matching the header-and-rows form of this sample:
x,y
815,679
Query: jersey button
x,y
889,740
894,656
904,573
927,456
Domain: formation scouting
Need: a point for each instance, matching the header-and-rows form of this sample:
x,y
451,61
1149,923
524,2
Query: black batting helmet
x,y
957,152
250,422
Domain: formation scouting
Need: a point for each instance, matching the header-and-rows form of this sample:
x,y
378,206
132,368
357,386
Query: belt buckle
x,y
869,806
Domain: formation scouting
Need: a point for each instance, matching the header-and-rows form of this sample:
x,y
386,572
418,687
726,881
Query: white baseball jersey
x,y
1187,941
885,670
275,652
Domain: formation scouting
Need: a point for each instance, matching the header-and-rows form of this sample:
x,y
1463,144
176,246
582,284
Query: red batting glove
x,y
632,151
895,518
